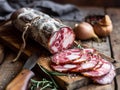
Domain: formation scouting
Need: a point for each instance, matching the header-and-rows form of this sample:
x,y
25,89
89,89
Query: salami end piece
x,y
47,31
61,40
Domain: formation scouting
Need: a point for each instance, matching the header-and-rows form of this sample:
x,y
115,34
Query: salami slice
x,y
106,79
66,56
50,33
103,70
89,50
100,63
64,68
74,56
86,66
83,57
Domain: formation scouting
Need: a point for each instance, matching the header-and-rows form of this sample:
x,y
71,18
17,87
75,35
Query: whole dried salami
x,y
50,33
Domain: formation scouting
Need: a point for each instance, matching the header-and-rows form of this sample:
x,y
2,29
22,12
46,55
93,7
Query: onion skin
x,y
103,31
84,31
104,27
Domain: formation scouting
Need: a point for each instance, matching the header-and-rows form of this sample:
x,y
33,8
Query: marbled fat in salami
x,y
74,56
87,62
67,56
86,66
64,68
103,70
106,79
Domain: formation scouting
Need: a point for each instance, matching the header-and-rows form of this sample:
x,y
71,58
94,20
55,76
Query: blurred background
x,y
63,9
98,3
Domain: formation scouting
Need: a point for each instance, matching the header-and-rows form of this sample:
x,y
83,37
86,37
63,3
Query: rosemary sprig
x,y
78,45
44,83
57,73
46,71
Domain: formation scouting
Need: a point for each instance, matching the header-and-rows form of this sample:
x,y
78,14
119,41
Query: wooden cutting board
x,y
11,37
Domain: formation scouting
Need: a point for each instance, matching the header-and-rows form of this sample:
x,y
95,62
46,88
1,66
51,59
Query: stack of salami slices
x,y
86,62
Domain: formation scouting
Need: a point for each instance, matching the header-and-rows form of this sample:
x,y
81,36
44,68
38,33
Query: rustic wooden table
x,y
110,47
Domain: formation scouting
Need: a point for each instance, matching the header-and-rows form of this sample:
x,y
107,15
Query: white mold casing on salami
x,y
50,33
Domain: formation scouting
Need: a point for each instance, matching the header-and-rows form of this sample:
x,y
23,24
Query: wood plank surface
x,y
2,53
115,37
102,47
8,70
65,81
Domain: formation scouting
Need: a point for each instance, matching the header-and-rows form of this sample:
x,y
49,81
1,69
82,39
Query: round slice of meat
x,y
63,68
66,56
86,66
106,79
86,54
75,56
100,63
89,50
82,58
61,39
103,70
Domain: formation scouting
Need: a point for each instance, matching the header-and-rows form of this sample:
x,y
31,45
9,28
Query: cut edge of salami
x,y
64,56
86,66
103,70
106,79
63,68
61,40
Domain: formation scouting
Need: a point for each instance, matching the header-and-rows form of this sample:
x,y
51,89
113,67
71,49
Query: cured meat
x,y
108,78
85,61
83,57
67,56
86,66
103,70
89,50
75,56
50,33
86,54
64,68
99,64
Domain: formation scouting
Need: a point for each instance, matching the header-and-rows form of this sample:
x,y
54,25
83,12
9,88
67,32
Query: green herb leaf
x,y
57,73
46,71
43,84
79,46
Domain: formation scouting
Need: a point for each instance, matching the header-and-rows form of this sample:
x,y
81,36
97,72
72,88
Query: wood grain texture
x,y
64,81
115,36
2,53
8,70
21,81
